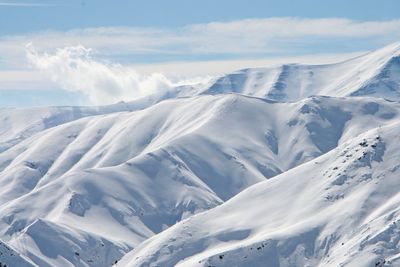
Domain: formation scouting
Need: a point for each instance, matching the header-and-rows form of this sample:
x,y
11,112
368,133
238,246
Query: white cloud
x,y
24,80
239,37
299,27
242,39
62,56
74,69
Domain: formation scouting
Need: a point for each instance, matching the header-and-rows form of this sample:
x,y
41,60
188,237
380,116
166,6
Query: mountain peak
x,y
376,73
392,49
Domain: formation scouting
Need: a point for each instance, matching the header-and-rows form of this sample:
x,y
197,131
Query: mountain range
x,y
290,165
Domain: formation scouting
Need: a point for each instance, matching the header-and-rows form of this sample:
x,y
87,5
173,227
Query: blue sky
x,y
93,52
70,14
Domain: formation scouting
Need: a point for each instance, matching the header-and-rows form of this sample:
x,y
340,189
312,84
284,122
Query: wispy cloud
x,y
74,69
63,56
237,39
19,4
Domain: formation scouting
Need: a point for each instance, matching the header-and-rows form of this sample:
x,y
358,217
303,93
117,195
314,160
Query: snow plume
x,y
74,69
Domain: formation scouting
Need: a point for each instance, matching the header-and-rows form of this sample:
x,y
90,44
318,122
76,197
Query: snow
x,y
19,124
10,257
280,165
374,74
340,209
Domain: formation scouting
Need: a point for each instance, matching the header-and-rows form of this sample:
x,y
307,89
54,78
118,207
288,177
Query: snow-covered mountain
x,y
341,209
118,179
374,74
19,124
84,186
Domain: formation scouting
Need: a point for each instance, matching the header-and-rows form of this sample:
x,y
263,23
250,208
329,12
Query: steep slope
x,y
341,209
100,185
374,74
10,257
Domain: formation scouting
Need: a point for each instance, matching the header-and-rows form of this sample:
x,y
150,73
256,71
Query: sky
x,y
95,52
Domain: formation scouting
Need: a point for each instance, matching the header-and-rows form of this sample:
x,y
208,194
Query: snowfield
x,y
292,165
340,209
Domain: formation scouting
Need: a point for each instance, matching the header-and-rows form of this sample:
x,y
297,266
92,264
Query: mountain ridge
x,y
172,167
351,183
292,82
83,186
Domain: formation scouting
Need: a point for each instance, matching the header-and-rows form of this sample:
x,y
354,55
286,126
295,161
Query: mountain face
x,y
19,124
374,74
10,257
341,209
290,166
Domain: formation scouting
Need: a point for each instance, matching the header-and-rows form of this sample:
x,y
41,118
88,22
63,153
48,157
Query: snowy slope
x,y
341,209
10,257
19,124
83,186
120,178
374,74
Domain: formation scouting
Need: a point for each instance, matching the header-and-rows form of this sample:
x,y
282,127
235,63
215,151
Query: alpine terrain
x,y
290,165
